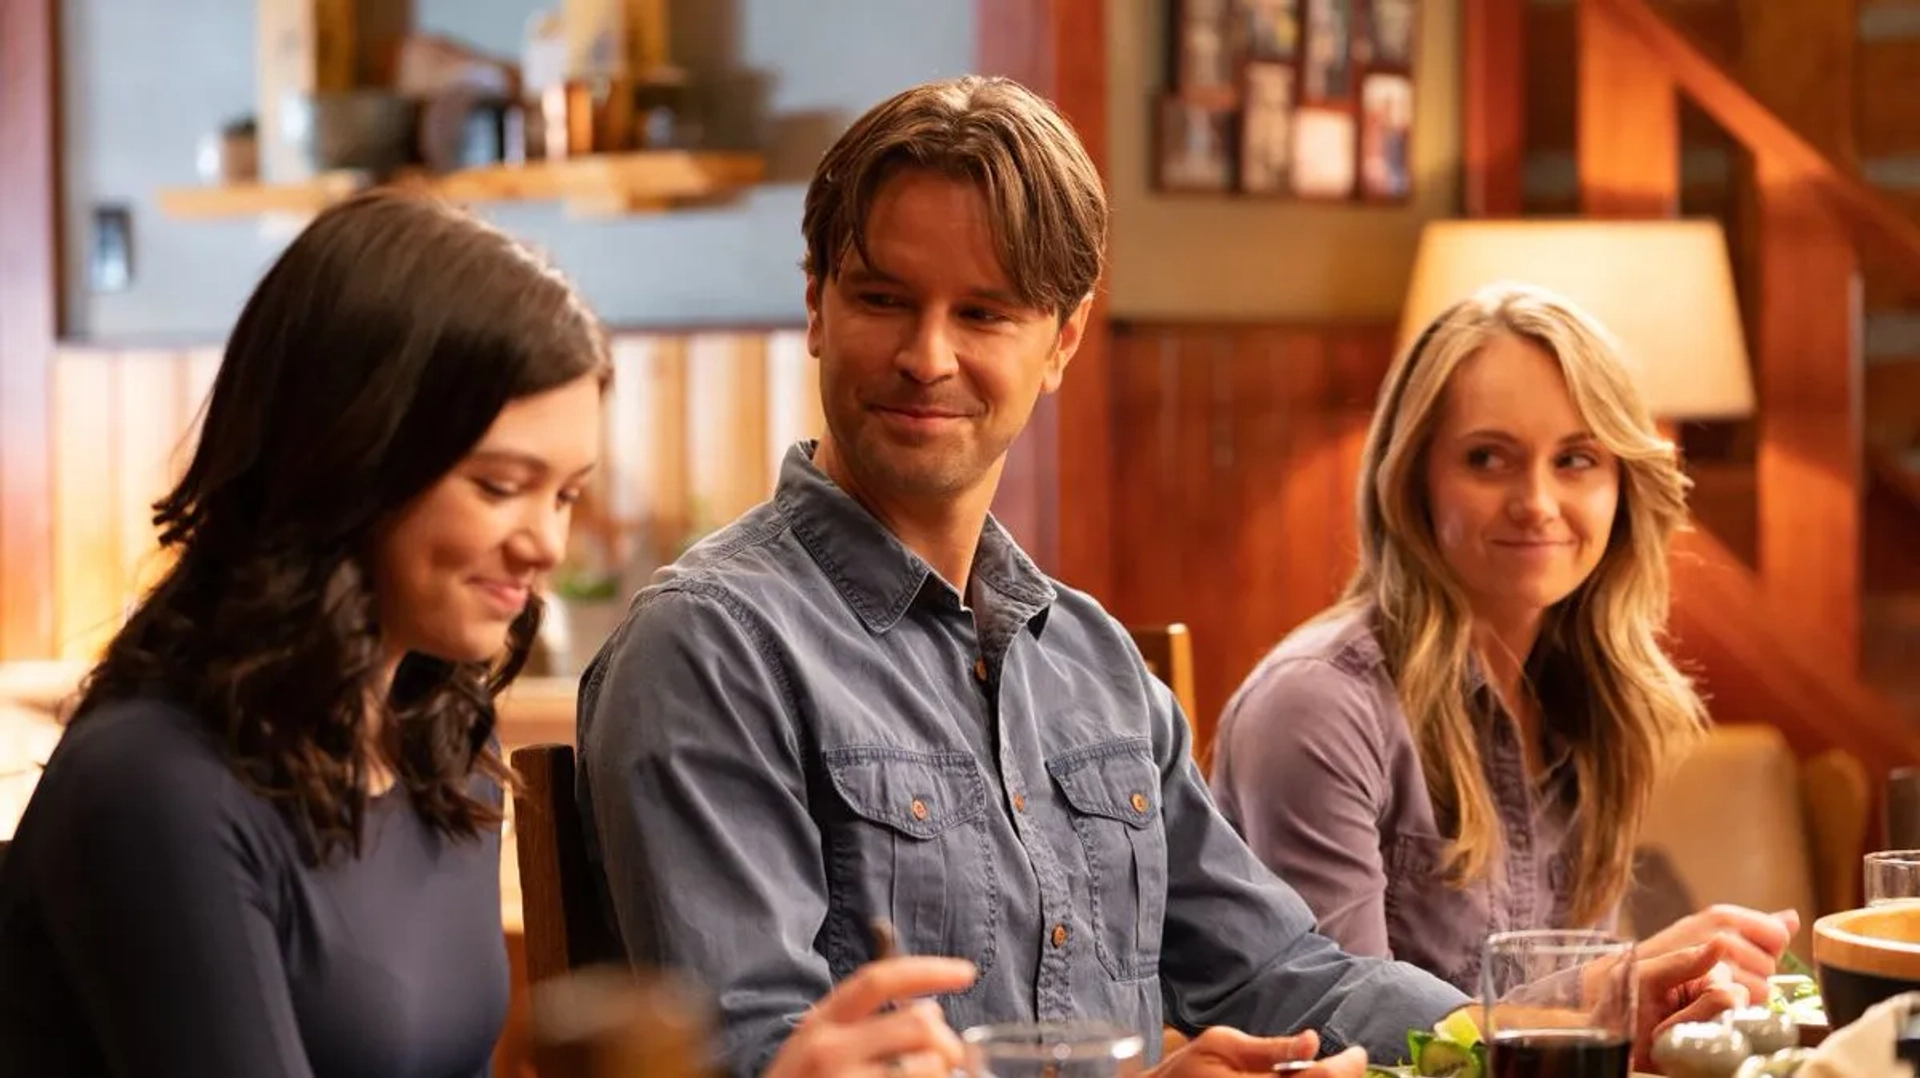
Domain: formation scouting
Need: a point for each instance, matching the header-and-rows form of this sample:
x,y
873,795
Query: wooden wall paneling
x,y
727,394
149,389
1628,122
1798,61
1892,401
1807,320
1272,533
1309,495
88,589
1887,285
670,469
692,422
645,478
1875,219
1494,116
793,396
1889,571
1886,108
1164,460
29,320
1143,369
1551,86
1240,464
1727,634
1363,356
1057,493
1808,465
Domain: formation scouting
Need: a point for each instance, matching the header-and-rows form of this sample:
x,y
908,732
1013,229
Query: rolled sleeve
x,y
1240,946
695,787
1300,771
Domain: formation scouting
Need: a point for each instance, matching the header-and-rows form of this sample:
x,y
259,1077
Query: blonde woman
x,y
1466,742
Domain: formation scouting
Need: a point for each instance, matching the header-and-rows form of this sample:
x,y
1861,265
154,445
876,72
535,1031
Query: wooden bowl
x,y
1864,956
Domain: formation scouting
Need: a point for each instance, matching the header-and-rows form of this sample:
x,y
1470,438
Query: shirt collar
x,y
875,573
1558,752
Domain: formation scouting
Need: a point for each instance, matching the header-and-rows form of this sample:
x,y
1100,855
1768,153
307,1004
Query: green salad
x,y
1795,993
1451,1049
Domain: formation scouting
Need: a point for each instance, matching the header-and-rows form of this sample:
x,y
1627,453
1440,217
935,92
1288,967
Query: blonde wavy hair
x,y
1629,707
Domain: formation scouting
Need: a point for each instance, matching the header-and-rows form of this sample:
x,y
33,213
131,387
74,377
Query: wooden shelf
x,y
591,185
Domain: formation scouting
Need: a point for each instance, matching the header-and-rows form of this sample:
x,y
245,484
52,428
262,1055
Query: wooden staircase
x,y
1870,128
1887,143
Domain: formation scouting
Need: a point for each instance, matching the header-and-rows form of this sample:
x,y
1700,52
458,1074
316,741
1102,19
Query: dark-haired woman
x,y
268,843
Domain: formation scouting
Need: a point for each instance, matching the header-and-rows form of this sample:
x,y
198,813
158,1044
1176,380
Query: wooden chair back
x,y
1696,845
565,929
1168,650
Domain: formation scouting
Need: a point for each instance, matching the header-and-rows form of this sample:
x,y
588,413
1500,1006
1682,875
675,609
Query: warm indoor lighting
x,y
1664,288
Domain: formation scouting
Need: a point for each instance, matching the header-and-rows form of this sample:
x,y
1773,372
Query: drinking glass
x,y
1053,1050
1558,1004
1892,876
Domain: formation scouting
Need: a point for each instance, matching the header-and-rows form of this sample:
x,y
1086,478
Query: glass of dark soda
x,y
1559,1004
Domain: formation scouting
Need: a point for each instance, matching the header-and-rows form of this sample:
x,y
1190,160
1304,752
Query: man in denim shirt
x,y
862,700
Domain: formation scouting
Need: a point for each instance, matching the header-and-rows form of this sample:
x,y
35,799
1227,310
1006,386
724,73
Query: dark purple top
x,y
1315,766
156,919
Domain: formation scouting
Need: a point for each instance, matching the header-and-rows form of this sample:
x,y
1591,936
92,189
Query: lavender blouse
x,y
1315,766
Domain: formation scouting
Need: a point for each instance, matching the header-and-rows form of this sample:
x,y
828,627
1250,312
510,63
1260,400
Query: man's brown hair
x,y
1044,197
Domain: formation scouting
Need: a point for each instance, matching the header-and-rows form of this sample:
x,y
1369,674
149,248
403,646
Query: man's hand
x,y
1221,1051
1755,941
1680,986
850,1033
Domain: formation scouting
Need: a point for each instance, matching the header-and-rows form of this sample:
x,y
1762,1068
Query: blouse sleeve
x,y
1301,765
160,904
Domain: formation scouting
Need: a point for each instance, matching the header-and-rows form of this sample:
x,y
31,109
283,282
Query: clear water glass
x,y
1053,1050
1558,1004
1892,876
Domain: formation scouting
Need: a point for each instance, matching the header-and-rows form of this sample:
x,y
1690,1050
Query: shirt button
x,y
919,809
980,669
1019,803
1140,803
1059,935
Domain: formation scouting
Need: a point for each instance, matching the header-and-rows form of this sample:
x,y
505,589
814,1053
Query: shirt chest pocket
x,y
1112,793
912,848
1430,922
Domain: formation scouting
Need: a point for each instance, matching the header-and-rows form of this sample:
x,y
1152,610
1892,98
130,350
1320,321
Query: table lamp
x,y
1664,288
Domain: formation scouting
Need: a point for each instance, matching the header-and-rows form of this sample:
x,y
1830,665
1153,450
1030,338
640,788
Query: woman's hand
x,y
1220,1052
1755,941
852,1032
1685,985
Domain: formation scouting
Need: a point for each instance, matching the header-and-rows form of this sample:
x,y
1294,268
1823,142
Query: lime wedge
x,y
1445,1059
1460,1028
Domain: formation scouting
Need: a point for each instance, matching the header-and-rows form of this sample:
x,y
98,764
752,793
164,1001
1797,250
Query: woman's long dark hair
x,y
373,356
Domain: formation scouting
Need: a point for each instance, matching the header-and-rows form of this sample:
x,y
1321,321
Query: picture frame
x,y
1194,146
1323,153
1267,31
1308,99
1386,136
1203,47
1387,32
1266,129
1327,60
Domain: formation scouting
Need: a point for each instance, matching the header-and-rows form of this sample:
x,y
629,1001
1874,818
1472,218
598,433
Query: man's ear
x,y
1065,344
813,316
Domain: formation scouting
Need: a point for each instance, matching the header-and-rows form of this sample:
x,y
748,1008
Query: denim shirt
x,y
801,727
1316,767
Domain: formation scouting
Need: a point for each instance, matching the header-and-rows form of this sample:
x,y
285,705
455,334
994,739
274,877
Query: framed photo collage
x,y
1308,99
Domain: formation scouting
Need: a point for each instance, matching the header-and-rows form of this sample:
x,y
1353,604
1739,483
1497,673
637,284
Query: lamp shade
x,y
1663,288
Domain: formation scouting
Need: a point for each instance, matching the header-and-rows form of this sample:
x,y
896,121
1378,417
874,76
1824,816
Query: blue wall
x,y
143,81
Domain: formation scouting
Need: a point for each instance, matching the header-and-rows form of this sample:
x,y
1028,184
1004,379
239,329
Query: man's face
x,y
929,365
